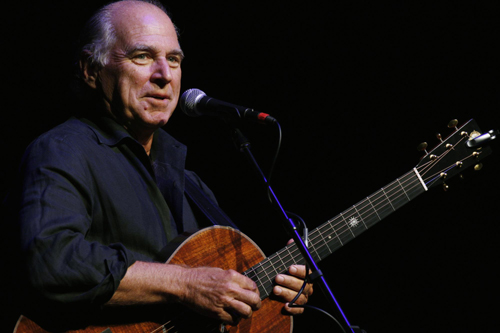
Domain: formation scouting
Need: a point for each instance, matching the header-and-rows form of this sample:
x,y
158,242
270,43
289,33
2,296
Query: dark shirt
x,y
91,203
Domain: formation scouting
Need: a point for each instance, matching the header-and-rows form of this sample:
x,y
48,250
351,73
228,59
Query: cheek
x,y
108,84
176,82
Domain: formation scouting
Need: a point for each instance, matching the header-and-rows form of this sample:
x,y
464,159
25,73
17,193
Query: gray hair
x,y
98,35
96,40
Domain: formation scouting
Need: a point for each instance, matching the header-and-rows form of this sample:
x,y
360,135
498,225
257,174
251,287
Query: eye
x,y
174,60
142,58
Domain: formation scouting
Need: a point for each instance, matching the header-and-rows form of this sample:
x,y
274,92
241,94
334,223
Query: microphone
x,y
195,102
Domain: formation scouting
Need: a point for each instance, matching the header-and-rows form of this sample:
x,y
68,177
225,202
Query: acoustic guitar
x,y
227,248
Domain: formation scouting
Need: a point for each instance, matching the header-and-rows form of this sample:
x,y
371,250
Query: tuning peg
x,y
445,187
478,166
440,138
422,147
453,124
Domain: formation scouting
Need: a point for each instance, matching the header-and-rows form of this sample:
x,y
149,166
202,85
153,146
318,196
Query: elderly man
x,y
101,195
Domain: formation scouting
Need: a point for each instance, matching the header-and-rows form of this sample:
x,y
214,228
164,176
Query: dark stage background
x,y
356,87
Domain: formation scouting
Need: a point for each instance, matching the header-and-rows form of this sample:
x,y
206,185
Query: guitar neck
x,y
341,229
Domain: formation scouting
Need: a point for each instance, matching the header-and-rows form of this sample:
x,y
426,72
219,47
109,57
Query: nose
x,y
162,73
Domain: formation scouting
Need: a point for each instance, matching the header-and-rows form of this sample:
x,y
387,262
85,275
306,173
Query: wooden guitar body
x,y
216,246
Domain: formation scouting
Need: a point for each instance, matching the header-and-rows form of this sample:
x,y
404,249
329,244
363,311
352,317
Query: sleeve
x,y
64,272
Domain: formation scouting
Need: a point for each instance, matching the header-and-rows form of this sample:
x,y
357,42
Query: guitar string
x,y
425,168
428,178
292,251
443,155
294,254
397,192
394,196
337,230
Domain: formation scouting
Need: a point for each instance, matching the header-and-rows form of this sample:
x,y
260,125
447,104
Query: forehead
x,y
138,22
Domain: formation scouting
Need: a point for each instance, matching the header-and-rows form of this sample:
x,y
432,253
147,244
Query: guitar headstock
x,y
462,149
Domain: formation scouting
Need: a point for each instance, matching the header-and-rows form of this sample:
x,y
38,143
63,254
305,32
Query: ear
x,y
89,73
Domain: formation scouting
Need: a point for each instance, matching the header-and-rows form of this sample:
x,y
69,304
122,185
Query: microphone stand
x,y
316,275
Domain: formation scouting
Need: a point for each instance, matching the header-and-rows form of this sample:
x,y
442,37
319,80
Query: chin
x,y
157,119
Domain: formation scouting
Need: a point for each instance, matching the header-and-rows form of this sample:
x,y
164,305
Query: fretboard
x,y
339,230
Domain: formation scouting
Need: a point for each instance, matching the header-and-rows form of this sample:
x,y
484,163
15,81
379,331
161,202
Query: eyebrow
x,y
143,47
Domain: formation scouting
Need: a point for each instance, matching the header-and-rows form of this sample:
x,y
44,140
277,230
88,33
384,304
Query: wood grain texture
x,y
216,246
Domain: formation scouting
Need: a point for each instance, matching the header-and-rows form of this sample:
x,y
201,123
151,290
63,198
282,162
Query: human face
x,y
141,81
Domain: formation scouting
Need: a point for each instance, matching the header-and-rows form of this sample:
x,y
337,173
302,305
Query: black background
x,y
356,87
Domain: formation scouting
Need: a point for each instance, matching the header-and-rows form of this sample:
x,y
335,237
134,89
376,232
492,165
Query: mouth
x,y
159,97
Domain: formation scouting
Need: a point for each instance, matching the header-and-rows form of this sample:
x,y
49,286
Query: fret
x,y
361,217
266,271
347,225
283,264
344,233
403,189
336,232
252,274
396,195
353,220
372,215
323,246
380,203
314,252
332,241
389,200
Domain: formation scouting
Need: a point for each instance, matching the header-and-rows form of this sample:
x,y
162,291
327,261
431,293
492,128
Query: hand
x,y
222,294
288,286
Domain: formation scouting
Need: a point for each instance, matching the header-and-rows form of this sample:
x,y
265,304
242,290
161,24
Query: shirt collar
x,y
107,130
110,133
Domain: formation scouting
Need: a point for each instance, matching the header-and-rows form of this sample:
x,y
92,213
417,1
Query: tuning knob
x,y
453,124
422,147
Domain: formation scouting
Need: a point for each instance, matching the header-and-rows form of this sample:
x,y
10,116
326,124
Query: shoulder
x,y
66,144
72,132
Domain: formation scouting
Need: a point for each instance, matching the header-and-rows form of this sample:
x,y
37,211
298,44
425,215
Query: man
x,y
101,195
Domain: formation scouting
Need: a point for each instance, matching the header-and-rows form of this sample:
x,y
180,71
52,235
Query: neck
x,y
145,139
143,134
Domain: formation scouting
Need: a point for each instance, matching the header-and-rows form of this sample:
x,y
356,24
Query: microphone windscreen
x,y
188,101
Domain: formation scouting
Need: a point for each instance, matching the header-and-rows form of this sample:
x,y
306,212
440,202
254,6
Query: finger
x,y
293,310
289,281
288,295
243,281
238,309
249,298
298,271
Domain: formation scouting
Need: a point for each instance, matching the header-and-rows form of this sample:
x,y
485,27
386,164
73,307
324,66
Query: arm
x,y
225,295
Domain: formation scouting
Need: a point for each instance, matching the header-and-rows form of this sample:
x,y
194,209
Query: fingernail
x,y
277,290
293,269
280,279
